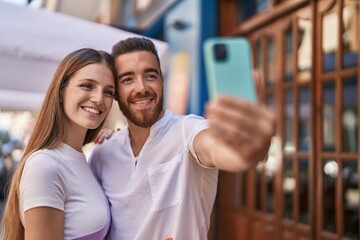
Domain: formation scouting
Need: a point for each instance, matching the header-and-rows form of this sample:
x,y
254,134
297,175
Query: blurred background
x,y
307,52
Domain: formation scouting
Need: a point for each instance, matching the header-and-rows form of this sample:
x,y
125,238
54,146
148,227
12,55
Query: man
x,y
160,172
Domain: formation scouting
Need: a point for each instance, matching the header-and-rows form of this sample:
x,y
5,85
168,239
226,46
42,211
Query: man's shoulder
x,y
193,120
174,117
116,139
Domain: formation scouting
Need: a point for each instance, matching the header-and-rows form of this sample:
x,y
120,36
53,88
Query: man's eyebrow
x,y
124,74
149,70
152,70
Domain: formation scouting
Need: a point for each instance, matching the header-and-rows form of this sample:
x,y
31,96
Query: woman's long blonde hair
x,y
49,129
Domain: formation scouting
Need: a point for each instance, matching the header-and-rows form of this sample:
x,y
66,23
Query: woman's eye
x,y
87,86
109,93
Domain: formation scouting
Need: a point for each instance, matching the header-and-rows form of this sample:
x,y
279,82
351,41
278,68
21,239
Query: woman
x,y
53,194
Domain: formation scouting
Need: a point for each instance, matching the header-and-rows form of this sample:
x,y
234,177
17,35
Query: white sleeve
x,y
42,183
191,126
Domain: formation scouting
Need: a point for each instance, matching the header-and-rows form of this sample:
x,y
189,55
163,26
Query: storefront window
x,y
247,8
244,183
289,185
350,35
304,119
289,121
304,54
304,191
330,172
330,29
258,55
270,60
349,115
328,117
270,102
258,182
350,176
269,176
289,56
235,191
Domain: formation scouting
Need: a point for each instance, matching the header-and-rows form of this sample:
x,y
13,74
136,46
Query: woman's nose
x,y
97,96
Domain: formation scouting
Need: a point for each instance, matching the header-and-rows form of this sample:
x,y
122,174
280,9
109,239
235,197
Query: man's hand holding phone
x,y
239,124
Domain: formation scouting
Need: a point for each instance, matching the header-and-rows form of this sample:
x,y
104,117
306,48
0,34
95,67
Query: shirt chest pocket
x,y
166,184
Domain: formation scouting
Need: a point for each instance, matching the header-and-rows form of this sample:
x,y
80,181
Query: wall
x,y
185,28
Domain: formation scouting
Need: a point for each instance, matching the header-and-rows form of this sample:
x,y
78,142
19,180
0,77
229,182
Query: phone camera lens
x,y
220,52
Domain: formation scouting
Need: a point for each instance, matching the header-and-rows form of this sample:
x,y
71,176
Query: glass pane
x,y
247,8
243,180
304,48
270,102
270,68
350,198
304,191
244,10
304,121
350,36
289,56
330,172
289,121
258,54
235,191
258,186
262,5
270,175
349,115
330,31
289,185
328,115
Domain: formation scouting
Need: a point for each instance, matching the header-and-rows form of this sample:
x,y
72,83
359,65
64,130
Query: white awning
x,y
32,43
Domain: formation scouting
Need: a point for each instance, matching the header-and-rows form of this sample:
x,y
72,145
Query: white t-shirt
x,y
162,193
61,178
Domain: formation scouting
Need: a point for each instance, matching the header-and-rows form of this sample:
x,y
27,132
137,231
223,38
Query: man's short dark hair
x,y
135,44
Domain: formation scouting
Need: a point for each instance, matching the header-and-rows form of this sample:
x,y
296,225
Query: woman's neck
x,y
75,138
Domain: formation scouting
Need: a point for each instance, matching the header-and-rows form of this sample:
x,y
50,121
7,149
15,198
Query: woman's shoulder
x,y
43,158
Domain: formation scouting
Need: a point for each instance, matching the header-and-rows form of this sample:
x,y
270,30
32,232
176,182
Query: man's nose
x,y
140,85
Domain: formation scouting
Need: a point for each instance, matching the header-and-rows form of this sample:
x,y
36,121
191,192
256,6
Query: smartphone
x,y
228,65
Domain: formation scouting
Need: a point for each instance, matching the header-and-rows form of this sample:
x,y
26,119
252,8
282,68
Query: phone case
x,y
228,64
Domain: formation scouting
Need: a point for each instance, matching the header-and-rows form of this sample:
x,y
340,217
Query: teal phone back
x,y
232,75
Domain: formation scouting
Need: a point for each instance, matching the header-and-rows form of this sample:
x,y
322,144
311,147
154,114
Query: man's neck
x,y
138,137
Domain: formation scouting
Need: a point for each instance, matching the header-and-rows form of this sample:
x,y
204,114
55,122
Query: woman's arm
x,y
44,223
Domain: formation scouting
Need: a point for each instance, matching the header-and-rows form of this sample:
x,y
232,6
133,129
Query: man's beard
x,y
142,118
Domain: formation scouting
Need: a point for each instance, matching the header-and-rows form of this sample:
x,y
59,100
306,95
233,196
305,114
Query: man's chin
x,y
144,118
143,124
141,119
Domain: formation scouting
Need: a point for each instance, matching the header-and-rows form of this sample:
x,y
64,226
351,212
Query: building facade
x,y
308,188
